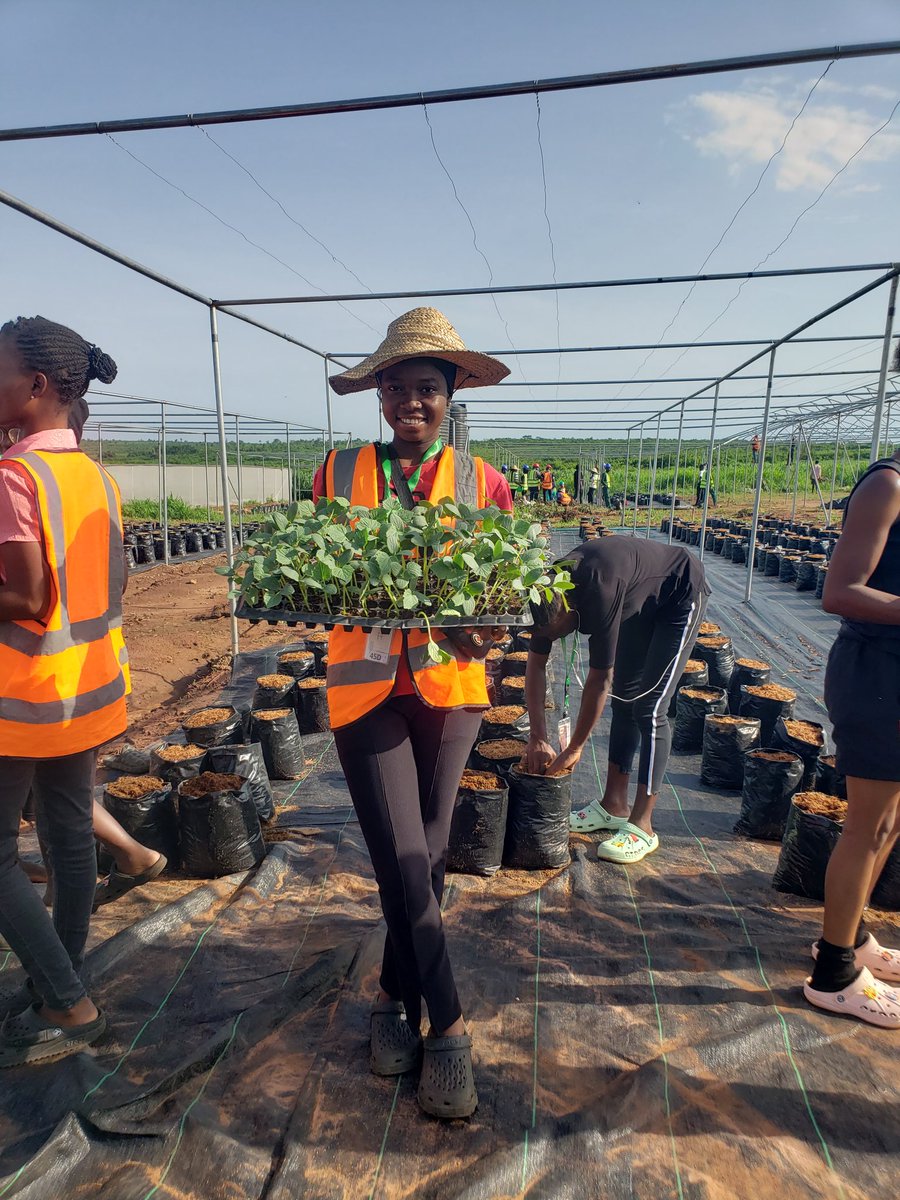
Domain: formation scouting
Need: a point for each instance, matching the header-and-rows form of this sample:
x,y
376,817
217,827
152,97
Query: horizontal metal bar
x,y
495,91
577,285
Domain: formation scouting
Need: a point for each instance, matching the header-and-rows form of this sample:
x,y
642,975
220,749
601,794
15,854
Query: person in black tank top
x,y
853,974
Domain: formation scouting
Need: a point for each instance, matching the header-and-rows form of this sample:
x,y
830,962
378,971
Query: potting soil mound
x,y
479,781
518,656
805,731
505,714
135,787
714,643
320,637
752,664
717,719
694,664
701,693
500,748
822,804
309,684
827,760
774,755
179,753
207,716
270,714
770,691
708,627
275,681
494,654
295,656
514,681
209,782
522,768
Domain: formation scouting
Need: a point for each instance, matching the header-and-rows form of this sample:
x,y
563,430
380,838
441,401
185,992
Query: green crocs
x,y
594,817
629,845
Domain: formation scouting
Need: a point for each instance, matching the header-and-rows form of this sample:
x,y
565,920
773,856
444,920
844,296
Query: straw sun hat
x,y
422,333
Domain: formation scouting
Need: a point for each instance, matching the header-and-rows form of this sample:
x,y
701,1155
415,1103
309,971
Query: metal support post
x,y
754,523
223,465
100,444
328,414
712,442
240,479
653,475
290,488
737,455
837,446
718,469
795,442
810,464
627,465
206,472
675,478
637,484
882,372
164,499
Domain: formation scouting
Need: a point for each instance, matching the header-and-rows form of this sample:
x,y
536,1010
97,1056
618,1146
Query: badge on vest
x,y
565,733
378,646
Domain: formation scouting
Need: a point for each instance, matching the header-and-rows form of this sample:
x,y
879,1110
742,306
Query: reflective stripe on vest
x,y
356,685
63,680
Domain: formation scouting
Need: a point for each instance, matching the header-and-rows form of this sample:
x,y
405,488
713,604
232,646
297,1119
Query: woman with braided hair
x,y
63,674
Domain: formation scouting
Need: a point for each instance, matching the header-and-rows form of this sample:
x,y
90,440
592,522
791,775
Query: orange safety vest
x,y
63,679
355,684
547,481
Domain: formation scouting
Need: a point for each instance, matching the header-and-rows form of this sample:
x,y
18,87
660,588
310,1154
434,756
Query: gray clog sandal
x,y
28,1038
395,1047
447,1083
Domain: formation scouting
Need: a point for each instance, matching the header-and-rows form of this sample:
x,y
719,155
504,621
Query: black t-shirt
x,y
616,577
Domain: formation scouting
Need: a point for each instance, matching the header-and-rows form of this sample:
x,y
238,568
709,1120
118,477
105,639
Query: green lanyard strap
x,y
569,665
432,452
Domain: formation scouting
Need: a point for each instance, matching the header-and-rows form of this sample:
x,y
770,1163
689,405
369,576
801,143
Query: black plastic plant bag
x,y
492,732
513,666
821,576
175,772
809,839
805,579
246,761
320,651
300,668
768,711
150,820
719,660
690,714
829,779
745,675
478,830
511,693
281,696
229,729
808,753
220,833
312,708
692,678
281,743
129,759
766,796
537,823
724,745
497,766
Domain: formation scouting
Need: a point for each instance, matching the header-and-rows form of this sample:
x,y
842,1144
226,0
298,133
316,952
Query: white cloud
x,y
746,127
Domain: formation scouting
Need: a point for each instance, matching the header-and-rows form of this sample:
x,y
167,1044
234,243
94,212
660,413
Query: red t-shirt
x,y
496,492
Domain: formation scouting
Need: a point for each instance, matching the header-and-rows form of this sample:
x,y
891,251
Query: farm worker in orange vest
x,y
63,674
403,724
547,483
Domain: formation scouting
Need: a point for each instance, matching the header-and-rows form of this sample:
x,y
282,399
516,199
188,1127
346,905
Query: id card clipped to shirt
x,y
378,646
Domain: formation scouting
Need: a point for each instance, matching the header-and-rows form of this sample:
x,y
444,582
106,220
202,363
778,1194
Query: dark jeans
x,y
403,764
606,503
592,492
650,656
546,494
52,952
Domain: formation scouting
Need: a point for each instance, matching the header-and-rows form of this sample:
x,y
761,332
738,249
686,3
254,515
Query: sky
x,y
639,180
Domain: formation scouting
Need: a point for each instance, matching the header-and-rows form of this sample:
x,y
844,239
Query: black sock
x,y
835,967
862,934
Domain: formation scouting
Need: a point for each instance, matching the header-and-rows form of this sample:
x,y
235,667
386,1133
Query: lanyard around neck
x,y
432,452
570,663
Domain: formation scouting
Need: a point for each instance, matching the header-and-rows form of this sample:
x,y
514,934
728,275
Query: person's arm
x,y
539,752
25,594
597,687
875,508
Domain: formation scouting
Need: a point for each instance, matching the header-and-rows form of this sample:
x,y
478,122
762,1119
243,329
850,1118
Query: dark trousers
x,y
650,656
52,952
547,495
592,492
606,503
403,764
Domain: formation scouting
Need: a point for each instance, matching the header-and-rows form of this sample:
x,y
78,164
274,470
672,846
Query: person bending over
x,y
640,604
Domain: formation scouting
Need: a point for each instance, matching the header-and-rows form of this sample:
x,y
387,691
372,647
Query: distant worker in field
x,y
576,481
534,483
562,496
754,447
817,473
703,480
547,483
593,484
853,975
606,484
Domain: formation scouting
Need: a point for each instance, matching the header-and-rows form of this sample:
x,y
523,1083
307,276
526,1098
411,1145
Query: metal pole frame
x,y
627,465
754,522
240,478
328,414
206,472
290,489
653,477
837,446
164,485
637,484
882,372
675,477
809,458
223,468
709,451
795,441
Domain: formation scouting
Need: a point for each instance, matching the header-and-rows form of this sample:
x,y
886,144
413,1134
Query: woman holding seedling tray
x,y
405,705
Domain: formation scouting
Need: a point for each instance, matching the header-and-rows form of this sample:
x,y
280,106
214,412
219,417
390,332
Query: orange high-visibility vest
x,y
355,684
63,680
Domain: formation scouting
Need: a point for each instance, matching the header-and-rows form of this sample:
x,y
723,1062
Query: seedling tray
x,y
290,616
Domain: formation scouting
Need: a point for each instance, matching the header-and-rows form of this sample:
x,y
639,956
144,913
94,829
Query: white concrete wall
x,y
190,483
